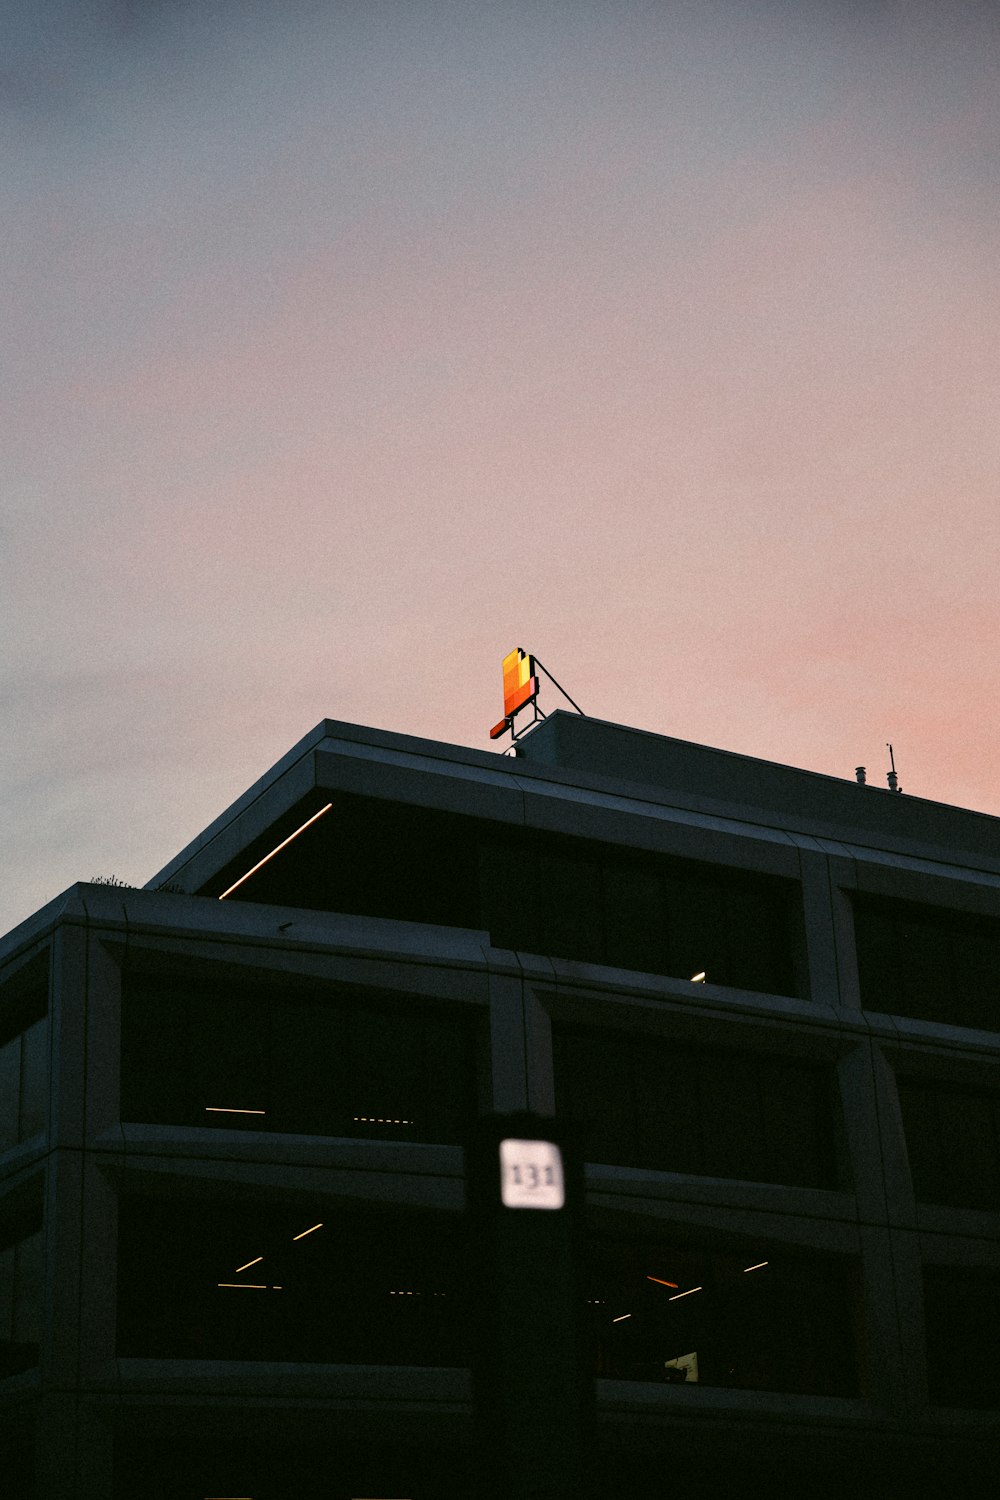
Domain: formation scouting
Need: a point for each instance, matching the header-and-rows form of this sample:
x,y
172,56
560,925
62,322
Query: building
x,y
232,1106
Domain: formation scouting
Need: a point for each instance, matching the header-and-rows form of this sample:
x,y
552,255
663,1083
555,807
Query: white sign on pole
x,y
531,1174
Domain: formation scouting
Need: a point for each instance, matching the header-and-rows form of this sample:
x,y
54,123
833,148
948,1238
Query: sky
x,y
348,345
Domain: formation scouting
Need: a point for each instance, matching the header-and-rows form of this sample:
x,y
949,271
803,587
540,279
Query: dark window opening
x,y
928,962
639,1101
24,1054
953,1140
320,1284
761,1320
21,1279
573,899
962,1314
372,858
24,1080
541,893
319,1062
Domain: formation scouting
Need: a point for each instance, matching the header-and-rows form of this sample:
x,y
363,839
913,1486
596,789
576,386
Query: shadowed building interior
x,y
233,1253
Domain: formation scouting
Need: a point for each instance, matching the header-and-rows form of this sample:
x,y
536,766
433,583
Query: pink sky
x,y
660,339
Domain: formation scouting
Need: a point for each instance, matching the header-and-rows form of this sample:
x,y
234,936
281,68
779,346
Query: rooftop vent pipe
x,y
891,776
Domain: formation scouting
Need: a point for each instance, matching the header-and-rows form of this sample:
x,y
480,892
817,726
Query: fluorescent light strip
x,y
284,843
248,1265
757,1267
660,1282
622,1318
249,1286
218,1109
305,1232
688,1293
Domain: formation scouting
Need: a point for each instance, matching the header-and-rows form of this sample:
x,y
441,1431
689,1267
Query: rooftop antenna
x,y
891,776
861,774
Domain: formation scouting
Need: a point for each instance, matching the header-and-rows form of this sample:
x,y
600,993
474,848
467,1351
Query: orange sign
x,y
520,686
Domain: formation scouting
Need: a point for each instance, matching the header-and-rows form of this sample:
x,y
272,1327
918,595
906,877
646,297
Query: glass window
x,y
667,1105
321,1284
34,1078
10,1092
596,1087
953,1139
24,1077
373,858
635,919
697,927
962,1312
760,1320
316,1062
21,1275
570,898
928,962
643,1102
536,892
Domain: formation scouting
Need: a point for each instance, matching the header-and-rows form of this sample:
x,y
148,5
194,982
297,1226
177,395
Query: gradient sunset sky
x,y
348,345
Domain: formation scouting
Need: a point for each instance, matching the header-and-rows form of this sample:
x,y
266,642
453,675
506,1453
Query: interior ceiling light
x,y
660,1281
221,1109
248,1265
699,978
757,1267
622,1318
686,1294
305,1232
249,1286
277,850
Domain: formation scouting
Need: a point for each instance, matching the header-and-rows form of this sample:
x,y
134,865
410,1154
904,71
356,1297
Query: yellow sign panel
x,y
520,686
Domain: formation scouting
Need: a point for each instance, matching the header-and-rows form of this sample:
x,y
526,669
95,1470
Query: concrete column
x,y
817,910
884,1377
67,1036
873,1130
104,1029
508,1053
843,879
538,1051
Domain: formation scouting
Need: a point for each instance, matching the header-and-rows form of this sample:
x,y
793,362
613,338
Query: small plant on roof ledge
x,y
125,885
172,888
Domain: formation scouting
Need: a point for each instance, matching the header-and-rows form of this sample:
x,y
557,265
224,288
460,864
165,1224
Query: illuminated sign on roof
x,y
520,687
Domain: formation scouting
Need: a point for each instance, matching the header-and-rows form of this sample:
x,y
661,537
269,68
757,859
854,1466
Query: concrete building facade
x,y
232,1110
